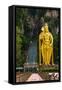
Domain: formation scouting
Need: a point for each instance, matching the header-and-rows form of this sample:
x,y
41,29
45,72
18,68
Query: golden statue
x,y
45,46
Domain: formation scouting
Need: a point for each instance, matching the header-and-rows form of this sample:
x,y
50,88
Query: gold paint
x,y
45,46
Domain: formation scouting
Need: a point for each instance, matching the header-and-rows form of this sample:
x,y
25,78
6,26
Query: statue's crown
x,y
46,24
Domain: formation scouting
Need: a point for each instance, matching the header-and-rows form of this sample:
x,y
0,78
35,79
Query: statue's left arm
x,y
51,40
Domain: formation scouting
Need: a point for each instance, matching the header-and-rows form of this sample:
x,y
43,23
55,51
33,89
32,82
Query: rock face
x,y
35,77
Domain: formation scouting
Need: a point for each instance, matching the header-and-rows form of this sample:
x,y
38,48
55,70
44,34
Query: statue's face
x,y
46,27
42,29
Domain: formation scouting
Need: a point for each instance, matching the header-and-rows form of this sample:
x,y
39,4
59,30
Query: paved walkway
x,y
35,77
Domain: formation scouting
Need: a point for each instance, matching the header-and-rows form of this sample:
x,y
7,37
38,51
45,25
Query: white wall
x,y
4,44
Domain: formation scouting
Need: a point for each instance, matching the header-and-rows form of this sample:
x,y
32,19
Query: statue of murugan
x,y
45,46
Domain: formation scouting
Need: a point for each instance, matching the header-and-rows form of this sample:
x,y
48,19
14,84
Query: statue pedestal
x,y
30,67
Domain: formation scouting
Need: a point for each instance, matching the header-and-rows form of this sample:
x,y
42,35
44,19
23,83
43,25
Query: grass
x,y
51,68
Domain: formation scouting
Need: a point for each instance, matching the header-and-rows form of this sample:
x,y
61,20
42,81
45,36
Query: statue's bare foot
x,y
53,64
40,64
49,64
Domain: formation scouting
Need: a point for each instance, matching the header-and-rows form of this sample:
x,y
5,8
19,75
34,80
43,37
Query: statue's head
x,y
46,27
